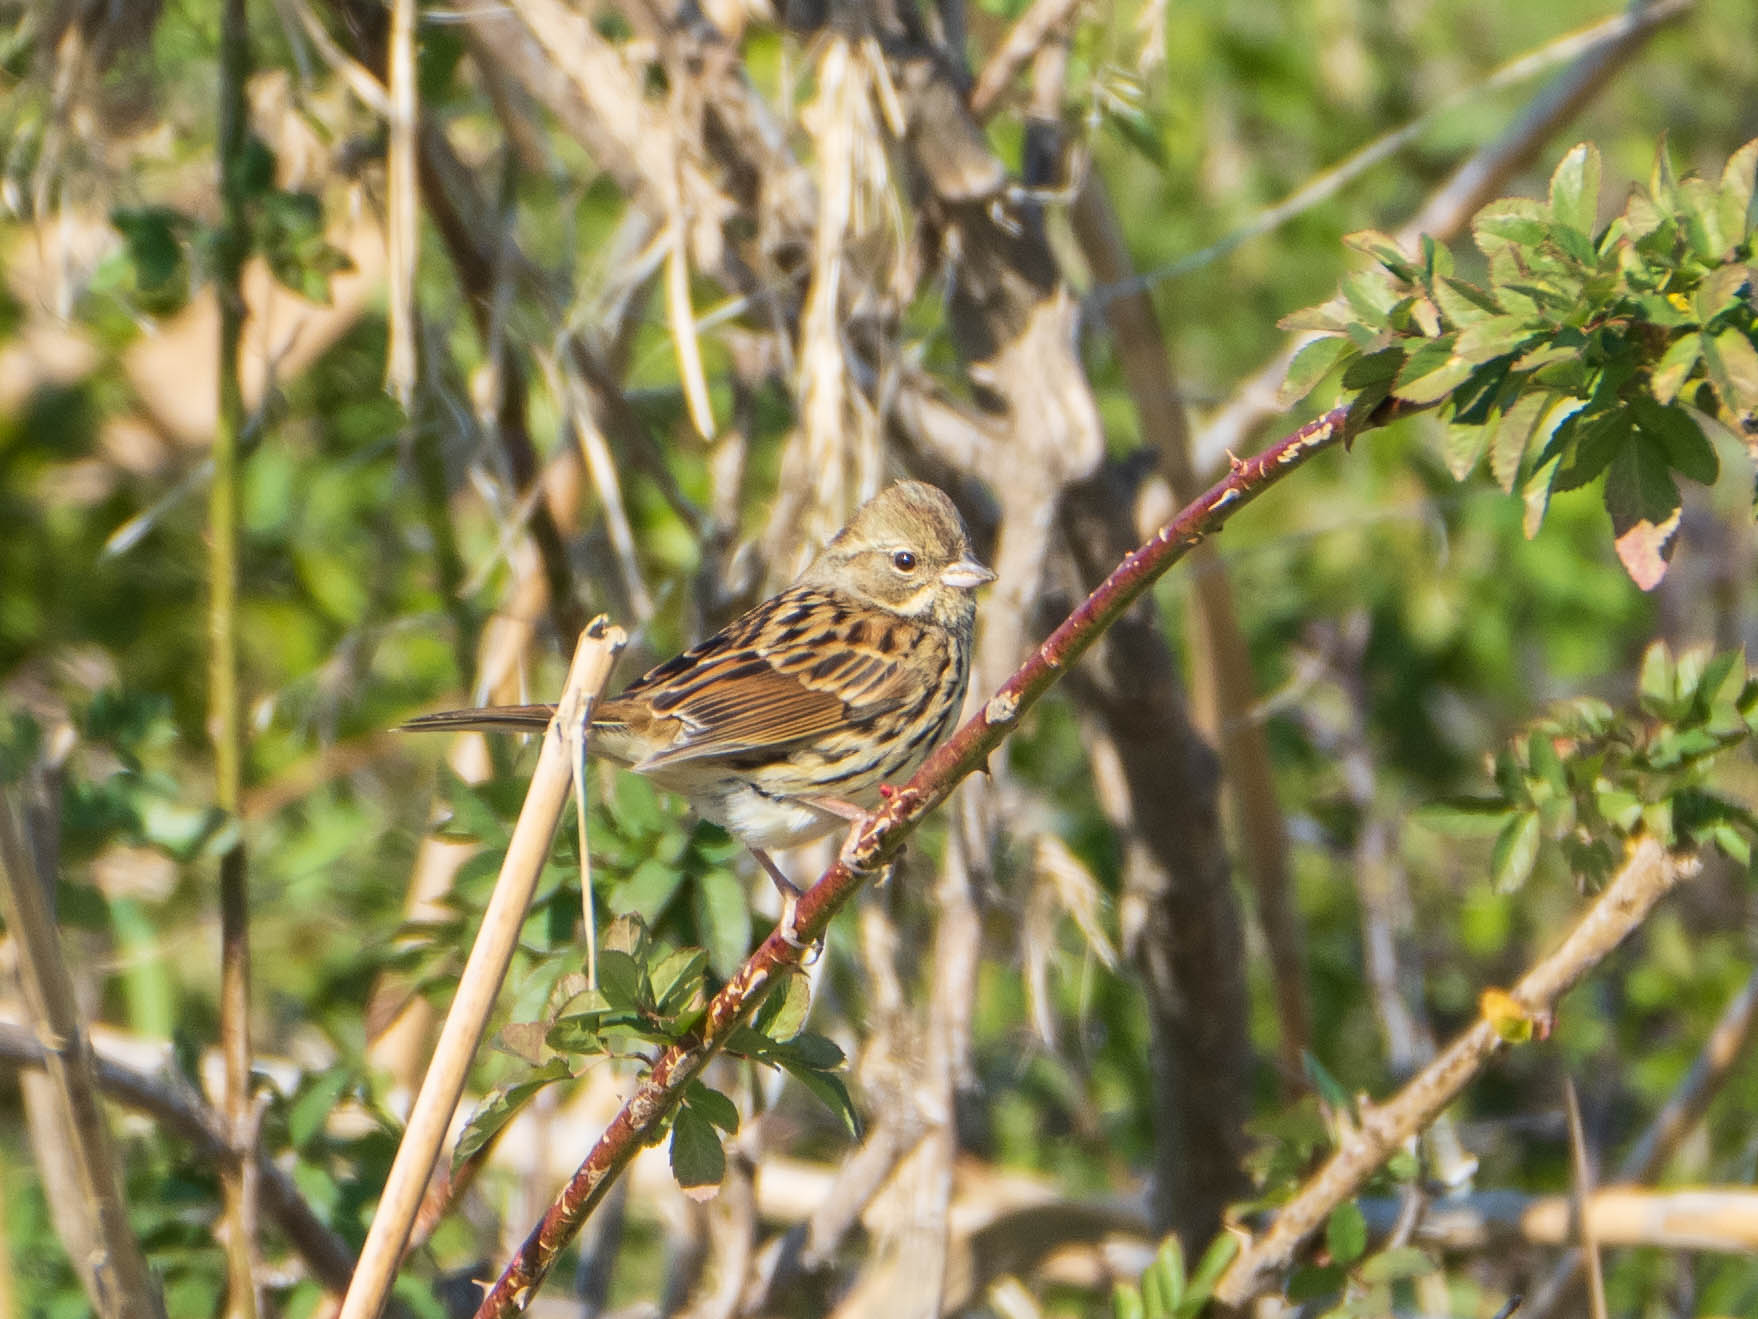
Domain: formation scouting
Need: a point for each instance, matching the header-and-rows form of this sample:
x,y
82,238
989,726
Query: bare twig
x,y
1037,25
225,718
1581,1178
481,979
402,218
1726,1045
1648,874
883,836
122,1286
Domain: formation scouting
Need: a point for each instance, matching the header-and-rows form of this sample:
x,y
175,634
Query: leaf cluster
x,y
166,252
1586,779
1584,352
646,998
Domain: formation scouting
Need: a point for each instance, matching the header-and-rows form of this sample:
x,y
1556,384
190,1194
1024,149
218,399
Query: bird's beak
x,y
966,575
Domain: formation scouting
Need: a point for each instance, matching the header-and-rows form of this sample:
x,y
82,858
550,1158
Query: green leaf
x,y
1346,1233
1732,365
1463,448
723,918
1493,336
1511,434
1736,202
1310,365
1574,188
1162,1284
503,1103
151,239
1385,250
1519,221
1396,1264
1463,817
714,1106
698,1163
1376,368
829,1089
620,980
1535,495
1657,682
1210,1268
1462,303
676,979
1431,373
1675,366
1687,450
1644,504
784,1011
1515,852
314,1103
1126,1302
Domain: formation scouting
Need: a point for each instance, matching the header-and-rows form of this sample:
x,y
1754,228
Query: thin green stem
x,y
225,720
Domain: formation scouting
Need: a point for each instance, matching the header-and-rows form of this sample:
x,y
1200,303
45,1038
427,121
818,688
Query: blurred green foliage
x,y
1393,612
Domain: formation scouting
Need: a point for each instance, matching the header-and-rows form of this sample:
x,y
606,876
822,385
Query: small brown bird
x,y
785,724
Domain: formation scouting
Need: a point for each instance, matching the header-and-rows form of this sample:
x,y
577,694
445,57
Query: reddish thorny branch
x,y
883,838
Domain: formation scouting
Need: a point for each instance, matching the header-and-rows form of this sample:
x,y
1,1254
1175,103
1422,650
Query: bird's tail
x,y
500,718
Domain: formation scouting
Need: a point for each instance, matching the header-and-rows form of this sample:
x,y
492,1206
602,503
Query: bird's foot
x,y
790,901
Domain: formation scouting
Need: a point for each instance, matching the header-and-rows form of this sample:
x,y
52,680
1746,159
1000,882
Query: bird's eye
x,y
904,561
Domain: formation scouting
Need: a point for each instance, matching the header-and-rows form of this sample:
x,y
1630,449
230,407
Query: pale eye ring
x,y
904,561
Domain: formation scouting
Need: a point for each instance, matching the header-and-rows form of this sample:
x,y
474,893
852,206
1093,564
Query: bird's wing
x,y
795,669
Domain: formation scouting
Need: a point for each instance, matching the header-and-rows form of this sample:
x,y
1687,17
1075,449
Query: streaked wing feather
x,y
766,684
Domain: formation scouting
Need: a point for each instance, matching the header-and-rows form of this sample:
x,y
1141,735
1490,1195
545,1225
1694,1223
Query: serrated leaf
x,y
1657,682
1346,1233
627,934
1463,447
1510,220
1675,367
698,1162
830,1090
523,1039
1515,852
503,1103
784,1011
1383,249
1574,188
810,1049
1431,374
1310,365
1376,368
1371,296
713,1105
1327,318
1463,303
1737,178
723,916
619,980
1681,439
1587,445
1510,434
676,979
1644,504
1732,366
1721,288
1490,337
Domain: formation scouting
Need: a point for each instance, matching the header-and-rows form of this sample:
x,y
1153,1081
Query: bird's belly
x,y
760,820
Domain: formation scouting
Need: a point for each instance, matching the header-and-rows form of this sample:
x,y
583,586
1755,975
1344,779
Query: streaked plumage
x,y
782,726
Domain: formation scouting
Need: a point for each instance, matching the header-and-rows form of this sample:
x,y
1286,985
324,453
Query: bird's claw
x,y
790,932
